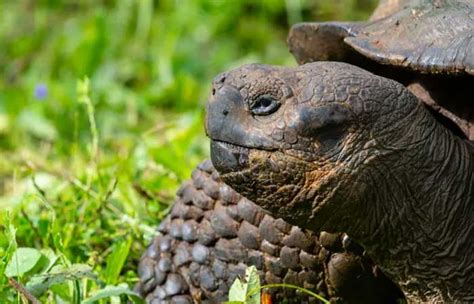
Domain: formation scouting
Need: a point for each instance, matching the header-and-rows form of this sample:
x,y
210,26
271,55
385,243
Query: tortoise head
x,y
295,140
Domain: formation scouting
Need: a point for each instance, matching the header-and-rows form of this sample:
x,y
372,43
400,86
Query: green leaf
x,y
62,291
40,283
116,260
7,253
57,239
247,292
37,125
51,257
253,285
23,260
238,291
113,291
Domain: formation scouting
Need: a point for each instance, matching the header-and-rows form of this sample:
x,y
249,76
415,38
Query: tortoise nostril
x,y
225,112
218,82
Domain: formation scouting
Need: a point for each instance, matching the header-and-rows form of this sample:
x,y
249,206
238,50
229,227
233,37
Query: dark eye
x,y
264,105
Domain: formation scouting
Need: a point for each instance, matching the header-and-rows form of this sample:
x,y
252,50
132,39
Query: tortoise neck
x,y
423,198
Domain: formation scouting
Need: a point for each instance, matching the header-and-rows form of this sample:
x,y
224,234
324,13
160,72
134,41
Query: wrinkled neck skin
x,y
416,217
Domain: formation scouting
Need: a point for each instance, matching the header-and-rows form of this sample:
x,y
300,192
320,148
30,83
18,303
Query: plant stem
x,y
315,295
22,290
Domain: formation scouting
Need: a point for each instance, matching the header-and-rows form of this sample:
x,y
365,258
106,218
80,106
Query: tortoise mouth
x,y
227,157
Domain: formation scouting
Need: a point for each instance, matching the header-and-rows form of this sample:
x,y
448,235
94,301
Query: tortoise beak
x,y
225,109
228,158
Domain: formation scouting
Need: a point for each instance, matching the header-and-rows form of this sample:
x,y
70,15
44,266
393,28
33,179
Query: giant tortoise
x,y
337,155
377,145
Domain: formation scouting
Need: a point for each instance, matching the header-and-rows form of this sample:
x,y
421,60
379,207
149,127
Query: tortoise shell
x,y
426,36
428,45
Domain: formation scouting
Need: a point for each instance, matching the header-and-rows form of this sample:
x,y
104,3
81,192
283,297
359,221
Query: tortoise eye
x,y
264,105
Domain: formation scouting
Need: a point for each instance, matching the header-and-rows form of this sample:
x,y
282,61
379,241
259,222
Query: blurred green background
x,y
88,171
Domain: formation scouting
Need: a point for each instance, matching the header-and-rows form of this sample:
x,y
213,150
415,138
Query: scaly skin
x,y
212,234
329,146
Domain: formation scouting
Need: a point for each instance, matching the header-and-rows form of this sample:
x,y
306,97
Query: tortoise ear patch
x,y
312,120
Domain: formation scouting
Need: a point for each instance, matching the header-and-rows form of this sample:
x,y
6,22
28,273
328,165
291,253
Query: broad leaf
x,y
23,260
253,285
238,291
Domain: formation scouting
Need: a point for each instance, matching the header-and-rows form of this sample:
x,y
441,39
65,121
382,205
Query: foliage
x,y
249,290
88,168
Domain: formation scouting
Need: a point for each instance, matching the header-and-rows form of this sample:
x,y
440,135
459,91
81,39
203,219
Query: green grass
x,y
87,172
